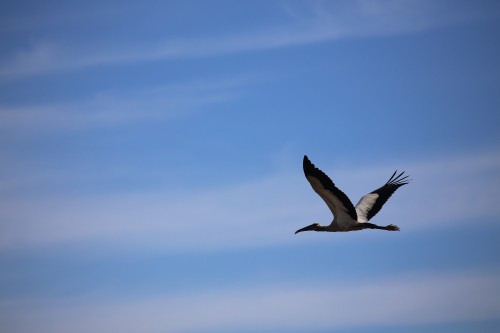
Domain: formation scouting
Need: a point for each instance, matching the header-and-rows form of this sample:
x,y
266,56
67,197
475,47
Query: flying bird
x,y
347,217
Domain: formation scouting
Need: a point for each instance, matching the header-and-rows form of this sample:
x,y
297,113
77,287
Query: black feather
x,y
385,192
311,170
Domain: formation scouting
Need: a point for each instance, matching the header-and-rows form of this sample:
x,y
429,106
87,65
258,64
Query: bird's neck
x,y
326,228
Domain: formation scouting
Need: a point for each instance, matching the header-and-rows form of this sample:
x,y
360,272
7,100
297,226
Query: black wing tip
x,y
399,180
307,165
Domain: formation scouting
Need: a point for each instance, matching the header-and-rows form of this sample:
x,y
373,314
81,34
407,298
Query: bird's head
x,y
314,226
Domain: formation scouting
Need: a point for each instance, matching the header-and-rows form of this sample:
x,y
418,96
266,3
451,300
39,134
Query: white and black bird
x,y
347,217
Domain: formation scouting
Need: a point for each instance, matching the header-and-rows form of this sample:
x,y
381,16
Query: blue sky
x,y
151,176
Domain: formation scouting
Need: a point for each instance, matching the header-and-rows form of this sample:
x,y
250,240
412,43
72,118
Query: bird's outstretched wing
x,y
340,205
370,204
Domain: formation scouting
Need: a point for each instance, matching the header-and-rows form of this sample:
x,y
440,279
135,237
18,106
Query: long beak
x,y
304,229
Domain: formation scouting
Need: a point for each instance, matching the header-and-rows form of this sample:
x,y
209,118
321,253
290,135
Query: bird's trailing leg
x,y
392,227
366,225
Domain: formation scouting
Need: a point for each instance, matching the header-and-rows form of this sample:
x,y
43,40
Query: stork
x,y
347,217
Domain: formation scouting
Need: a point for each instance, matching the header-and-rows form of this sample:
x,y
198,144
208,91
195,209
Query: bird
x,y
347,217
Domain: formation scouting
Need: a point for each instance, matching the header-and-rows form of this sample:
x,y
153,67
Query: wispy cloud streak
x,y
452,190
312,23
108,109
436,299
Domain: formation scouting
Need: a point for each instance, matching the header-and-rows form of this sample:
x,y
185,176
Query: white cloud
x,y
104,109
315,22
445,191
336,305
